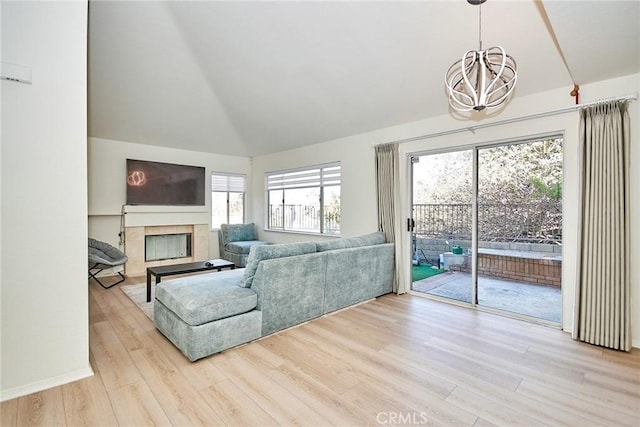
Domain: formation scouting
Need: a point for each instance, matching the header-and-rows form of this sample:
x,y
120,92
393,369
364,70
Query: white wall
x,y
107,189
359,214
44,298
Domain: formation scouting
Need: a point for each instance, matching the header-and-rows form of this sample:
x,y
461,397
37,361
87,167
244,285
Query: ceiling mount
x,y
482,78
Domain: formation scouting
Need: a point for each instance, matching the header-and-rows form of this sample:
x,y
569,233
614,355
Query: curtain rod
x,y
472,129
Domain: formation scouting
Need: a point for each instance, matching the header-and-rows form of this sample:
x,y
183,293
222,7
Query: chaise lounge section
x,y
282,285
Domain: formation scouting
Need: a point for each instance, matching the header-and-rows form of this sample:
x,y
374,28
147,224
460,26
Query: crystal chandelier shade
x,y
482,78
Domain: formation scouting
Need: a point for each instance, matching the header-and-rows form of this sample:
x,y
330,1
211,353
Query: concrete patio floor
x,y
542,302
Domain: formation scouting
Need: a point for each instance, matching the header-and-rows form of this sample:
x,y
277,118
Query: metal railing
x,y
498,222
510,222
303,218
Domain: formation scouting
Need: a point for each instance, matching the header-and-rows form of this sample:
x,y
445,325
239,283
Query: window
x,y
305,200
227,199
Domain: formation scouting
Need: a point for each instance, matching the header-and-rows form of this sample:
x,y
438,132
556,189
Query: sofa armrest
x,y
221,244
290,290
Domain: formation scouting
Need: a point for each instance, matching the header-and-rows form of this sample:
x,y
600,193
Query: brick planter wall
x,y
530,270
429,249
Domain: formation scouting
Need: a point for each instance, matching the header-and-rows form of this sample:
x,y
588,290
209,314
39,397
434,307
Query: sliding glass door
x,y
443,218
488,226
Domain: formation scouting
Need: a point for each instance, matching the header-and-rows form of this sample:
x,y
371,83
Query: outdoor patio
x,y
538,301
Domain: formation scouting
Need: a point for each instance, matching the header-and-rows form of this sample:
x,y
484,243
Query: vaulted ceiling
x,y
249,78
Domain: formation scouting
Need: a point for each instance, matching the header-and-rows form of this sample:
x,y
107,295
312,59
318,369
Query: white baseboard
x,y
23,390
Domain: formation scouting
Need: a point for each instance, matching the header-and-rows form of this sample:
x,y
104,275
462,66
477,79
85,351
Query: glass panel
x,y
442,211
167,246
236,208
218,209
276,209
302,209
332,209
520,228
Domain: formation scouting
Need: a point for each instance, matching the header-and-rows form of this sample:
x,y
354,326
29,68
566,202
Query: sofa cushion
x,y
376,238
206,297
239,232
259,253
243,247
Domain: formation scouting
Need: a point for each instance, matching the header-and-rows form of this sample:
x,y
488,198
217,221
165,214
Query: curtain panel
x,y
602,313
387,188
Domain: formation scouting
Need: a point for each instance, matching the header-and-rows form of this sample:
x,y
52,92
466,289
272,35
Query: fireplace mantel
x,y
145,216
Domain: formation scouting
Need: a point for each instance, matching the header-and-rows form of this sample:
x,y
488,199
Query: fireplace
x,y
159,247
172,244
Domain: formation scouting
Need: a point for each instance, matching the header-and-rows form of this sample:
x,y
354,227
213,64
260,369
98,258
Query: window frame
x,y
327,175
228,189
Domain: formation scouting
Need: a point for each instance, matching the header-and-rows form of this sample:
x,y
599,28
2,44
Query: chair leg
x,y
93,276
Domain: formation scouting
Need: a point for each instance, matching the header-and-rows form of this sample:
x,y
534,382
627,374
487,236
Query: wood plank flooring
x,y
397,360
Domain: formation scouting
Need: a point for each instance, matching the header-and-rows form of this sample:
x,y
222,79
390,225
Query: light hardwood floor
x,y
396,360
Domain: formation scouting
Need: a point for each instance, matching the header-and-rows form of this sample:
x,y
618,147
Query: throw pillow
x,y
259,253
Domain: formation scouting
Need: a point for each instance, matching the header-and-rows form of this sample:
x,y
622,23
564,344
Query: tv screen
x,y
155,183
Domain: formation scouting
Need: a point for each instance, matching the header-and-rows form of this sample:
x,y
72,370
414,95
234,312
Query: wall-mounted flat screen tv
x,y
155,183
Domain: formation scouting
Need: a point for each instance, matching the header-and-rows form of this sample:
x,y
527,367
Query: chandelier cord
x,y
480,25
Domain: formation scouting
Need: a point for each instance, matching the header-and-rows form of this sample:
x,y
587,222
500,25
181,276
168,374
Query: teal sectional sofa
x,y
281,286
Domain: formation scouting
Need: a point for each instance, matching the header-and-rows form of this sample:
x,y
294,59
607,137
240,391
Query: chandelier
x,y
482,78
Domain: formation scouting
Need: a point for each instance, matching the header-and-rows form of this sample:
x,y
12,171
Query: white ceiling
x,y
249,78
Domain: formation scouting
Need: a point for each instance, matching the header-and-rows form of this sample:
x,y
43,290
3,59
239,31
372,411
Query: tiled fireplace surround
x,y
134,245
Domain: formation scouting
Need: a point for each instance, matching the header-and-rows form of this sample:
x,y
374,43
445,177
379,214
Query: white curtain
x,y
602,312
387,186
